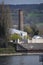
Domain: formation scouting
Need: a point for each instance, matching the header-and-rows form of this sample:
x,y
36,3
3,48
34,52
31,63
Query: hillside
x,y
33,13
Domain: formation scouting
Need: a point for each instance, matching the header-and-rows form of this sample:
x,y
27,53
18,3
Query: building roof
x,y
12,31
37,37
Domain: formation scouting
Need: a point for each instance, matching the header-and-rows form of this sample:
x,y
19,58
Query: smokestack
x,y
21,20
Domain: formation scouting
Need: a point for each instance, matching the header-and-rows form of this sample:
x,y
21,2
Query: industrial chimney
x,y
21,20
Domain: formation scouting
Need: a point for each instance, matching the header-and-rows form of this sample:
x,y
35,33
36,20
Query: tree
x,y
5,22
28,29
31,30
35,30
15,36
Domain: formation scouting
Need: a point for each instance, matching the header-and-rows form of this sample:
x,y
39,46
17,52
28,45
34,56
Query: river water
x,y
22,60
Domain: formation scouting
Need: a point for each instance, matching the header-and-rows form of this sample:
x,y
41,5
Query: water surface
x,y
21,60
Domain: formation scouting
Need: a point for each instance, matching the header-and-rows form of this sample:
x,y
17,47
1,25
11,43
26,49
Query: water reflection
x,y
41,59
22,60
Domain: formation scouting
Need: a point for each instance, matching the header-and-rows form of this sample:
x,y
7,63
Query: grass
x,y
8,50
39,24
34,15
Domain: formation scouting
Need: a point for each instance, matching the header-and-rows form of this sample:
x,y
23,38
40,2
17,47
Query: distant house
x,y
36,37
21,33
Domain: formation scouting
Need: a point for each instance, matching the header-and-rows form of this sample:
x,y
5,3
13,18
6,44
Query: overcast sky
x,y
22,1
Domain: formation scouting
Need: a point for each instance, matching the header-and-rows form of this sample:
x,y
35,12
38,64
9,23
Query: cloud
x,y
22,1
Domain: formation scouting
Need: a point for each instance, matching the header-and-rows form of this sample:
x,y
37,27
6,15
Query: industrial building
x,y
21,33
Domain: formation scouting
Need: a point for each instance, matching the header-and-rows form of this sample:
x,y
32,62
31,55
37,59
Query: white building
x,y
21,33
37,39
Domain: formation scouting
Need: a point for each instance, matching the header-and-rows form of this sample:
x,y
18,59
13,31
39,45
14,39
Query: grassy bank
x,y
7,50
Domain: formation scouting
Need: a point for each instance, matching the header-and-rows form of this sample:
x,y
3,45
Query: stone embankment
x,y
20,54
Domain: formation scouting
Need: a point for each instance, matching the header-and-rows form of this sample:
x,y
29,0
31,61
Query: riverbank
x,y
20,54
8,50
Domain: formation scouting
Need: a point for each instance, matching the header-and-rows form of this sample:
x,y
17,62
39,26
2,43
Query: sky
x,y
22,1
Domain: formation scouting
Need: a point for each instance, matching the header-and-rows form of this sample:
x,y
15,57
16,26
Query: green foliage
x,y
40,28
28,29
31,30
28,37
15,36
41,32
7,50
32,14
35,30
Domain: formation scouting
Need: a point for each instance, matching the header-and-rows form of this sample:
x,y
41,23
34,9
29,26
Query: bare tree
x,y
5,22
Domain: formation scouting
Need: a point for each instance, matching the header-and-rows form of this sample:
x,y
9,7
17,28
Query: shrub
x,y
15,37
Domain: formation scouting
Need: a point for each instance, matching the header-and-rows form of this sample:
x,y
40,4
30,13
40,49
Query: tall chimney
x,y
21,20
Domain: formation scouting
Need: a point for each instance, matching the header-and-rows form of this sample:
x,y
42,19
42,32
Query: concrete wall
x,y
30,41
35,41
